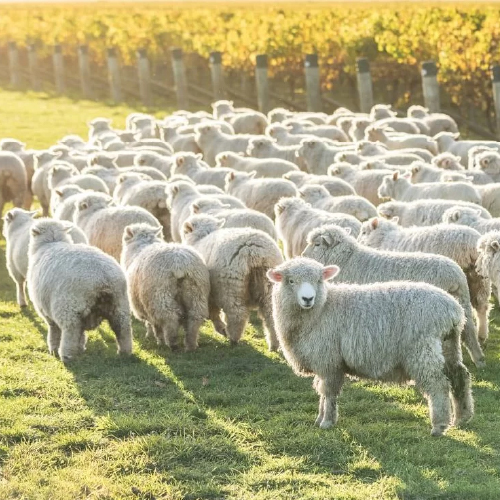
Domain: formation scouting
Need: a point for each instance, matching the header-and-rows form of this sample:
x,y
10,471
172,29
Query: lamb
x,y
124,184
73,288
99,127
336,187
264,148
390,158
381,111
356,127
283,135
62,173
316,331
423,212
259,194
180,196
374,134
403,125
365,182
13,180
270,167
237,260
149,159
459,243
421,172
490,198
234,217
104,224
319,197
249,122
488,262
437,122
447,142
399,188
168,285
489,163
361,264
195,168
472,218
318,156
366,148
16,230
331,132
179,142
295,219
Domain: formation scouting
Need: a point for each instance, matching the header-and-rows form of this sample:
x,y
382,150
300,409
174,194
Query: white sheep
x,y
74,288
390,158
437,122
374,134
459,243
422,172
237,260
103,224
179,142
265,147
264,167
149,159
488,262
447,142
316,331
362,264
248,122
331,132
403,125
398,187
366,148
317,155
168,285
489,163
13,180
336,187
471,217
295,219
259,194
490,198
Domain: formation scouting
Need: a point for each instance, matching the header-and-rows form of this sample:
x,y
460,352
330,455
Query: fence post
x,y
58,60
179,78
365,87
144,76
114,75
215,61
495,78
33,67
430,86
15,77
84,66
262,83
313,90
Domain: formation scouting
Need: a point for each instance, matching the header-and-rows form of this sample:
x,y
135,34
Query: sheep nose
x,y
307,300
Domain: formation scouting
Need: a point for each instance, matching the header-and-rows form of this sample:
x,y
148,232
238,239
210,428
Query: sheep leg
x,y
480,292
149,330
192,331
237,318
82,345
120,324
469,336
53,337
266,313
21,293
70,339
171,331
483,313
321,409
329,389
219,325
28,200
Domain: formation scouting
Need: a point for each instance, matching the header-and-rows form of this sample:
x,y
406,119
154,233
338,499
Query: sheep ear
x,y
231,176
446,162
9,216
368,166
35,212
195,208
395,219
199,156
35,231
253,173
129,233
68,227
495,245
221,222
180,160
456,135
59,193
347,230
159,231
485,162
479,212
455,215
188,228
274,276
326,238
395,175
415,170
329,272
83,205
374,223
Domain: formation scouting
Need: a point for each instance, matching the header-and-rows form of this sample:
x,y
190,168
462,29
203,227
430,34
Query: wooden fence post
x,y
58,60
144,76
215,61
365,87
430,86
262,83
114,75
313,89
15,77
33,67
495,78
84,66
179,78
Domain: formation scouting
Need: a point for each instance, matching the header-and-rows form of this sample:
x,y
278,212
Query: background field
x,y
221,423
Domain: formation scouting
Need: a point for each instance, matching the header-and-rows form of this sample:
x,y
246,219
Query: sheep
x,y
98,128
270,167
259,194
179,142
336,187
472,218
374,134
237,260
264,148
366,148
149,159
73,288
69,196
104,224
315,327
356,127
403,125
180,196
447,142
16,230
195,168
249,122
489,163
331,132
488,262
390,158
212,141
399,188
13,180
361,264
318,156
423,212
124,184
456,242
447,161
168,285
234,217
283,136
295,219
421,172
437,122
490,198
319,197
364,182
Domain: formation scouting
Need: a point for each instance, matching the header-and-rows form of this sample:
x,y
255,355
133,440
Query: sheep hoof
x,y
481,363
23,306
233,343
326,424
66,359
438,430
318,421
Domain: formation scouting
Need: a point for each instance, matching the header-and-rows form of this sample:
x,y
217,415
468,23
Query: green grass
x,y
221,423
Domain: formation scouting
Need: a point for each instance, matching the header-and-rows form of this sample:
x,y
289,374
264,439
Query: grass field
x,y
221,423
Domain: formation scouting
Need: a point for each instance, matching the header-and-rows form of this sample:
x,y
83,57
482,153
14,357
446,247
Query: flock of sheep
x,y
178,220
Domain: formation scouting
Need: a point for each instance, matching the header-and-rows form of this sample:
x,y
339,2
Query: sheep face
x,y
143,233
387,210
323,240
489,163
391,183
313,193
258,147
302,283
16,217
374,230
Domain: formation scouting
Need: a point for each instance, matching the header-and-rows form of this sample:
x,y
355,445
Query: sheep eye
x,y
291,281
317,244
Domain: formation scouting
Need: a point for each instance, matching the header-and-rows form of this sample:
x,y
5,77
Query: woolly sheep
x,y
472,218
13,180
295,219
269,167
488,262
264,147
179,142
447,142
104,224
168,285
437,122
374,134
399,188
456,242
361,264
316,331
318,155
259,194
195,168
283,136
162,163
249,122
404,125
489,163
366,148
319,197
331,132
390,158
490,198
237,260
421,172
336,187
234,217
73,288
